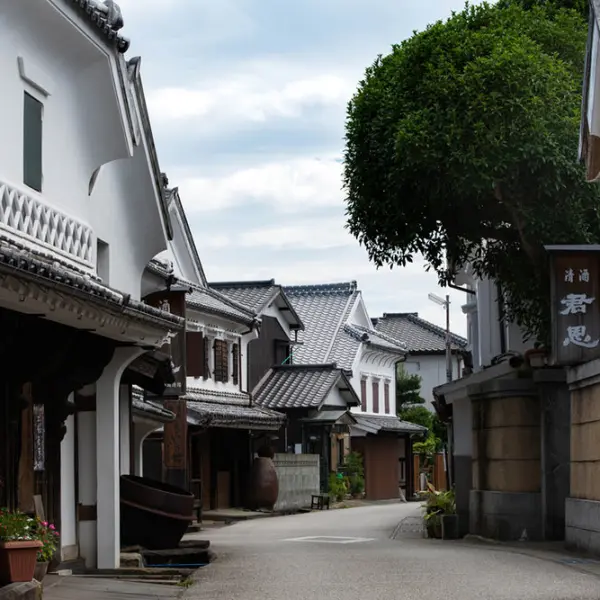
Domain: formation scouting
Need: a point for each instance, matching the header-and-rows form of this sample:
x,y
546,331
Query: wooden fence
x,y
434,469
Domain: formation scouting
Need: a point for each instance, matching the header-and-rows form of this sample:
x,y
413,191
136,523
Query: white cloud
x,y
289,186
316,234
254,93
247,98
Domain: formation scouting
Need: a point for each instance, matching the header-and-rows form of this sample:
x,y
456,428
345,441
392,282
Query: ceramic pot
x,y
41,568
17,561
264,484
450,527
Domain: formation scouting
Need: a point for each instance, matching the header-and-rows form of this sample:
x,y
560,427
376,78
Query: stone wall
x,y
299,479
583,505
506,496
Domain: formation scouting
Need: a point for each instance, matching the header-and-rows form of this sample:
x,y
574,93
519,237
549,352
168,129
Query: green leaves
x,y
468,132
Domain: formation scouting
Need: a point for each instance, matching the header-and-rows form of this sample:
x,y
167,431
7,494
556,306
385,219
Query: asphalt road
x,y
268,559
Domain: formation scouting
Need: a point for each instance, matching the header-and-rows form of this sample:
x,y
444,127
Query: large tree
x,y
461,144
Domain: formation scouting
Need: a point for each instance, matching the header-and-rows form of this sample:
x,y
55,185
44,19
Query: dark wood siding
x,y
386,398
363,395
235,363
194,345
221,361
267,350
376,396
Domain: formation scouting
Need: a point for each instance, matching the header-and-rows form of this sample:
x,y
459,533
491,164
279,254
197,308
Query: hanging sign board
x,y
575,303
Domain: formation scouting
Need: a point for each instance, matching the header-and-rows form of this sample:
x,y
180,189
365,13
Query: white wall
x,y
233,333
68,520
84,128
368,366
432,370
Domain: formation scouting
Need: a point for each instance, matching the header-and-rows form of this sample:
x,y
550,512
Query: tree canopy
x,y
462,145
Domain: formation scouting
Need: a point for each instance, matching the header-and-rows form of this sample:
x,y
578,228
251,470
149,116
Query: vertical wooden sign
x,y
575,304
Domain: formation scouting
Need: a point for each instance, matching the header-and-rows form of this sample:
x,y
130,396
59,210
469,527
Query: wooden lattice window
x,y
363,395
386,397
206,373
235,363
376,396
221,361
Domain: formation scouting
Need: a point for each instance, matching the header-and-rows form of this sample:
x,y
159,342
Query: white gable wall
x,y
48,51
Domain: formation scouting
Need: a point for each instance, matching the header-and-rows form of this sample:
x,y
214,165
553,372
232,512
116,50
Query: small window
x,y
221,370
32,142
363,395
102,260
235,367
376,396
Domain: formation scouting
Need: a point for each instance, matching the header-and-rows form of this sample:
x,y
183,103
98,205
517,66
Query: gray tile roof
x,y
300,386
207,300
330,336
419,335
257,295
46,269
253,294
324,309
106,17
148,408
386,423
209,408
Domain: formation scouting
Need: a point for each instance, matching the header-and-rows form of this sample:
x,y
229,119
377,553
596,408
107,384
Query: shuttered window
x,y
221,362
235,364
32,142
376,396
363,395
206,373
195,361
386,397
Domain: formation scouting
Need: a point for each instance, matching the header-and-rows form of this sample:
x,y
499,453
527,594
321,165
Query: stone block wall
x,y
299,479
583,505
506,497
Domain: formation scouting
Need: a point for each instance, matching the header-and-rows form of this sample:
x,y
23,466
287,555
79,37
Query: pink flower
x,y
51,526
45,524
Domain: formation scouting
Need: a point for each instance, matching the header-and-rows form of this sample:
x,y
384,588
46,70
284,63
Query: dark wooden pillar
x,y
175,444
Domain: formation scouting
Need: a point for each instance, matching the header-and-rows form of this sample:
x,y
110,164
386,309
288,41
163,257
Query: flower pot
x,y
41,568
450,527
17,561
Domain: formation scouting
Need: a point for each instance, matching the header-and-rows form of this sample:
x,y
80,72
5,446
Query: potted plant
x,y
438,507
47,534
19,546
355,472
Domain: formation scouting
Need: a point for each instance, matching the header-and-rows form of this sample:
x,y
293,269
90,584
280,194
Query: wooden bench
x,y
319,501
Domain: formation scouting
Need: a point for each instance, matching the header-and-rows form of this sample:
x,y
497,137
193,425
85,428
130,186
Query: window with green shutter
x,y
32,142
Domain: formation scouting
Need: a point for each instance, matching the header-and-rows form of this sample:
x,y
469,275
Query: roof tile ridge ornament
x,y
306,367
108,17
322,289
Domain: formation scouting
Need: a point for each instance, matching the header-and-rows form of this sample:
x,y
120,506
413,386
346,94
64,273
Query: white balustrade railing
x,y
26,217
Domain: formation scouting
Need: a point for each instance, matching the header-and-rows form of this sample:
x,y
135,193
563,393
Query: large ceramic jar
x,y
264,484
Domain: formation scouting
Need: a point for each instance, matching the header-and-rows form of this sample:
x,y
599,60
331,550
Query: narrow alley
x,y
361,553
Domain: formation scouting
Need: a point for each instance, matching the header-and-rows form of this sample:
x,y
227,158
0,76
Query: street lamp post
x,y
446,304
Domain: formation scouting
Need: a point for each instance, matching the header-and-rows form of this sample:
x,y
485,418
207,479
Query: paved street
x,y
267,559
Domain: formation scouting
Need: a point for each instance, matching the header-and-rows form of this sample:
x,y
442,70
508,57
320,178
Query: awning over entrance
x,y
330,417
230,410
148,409
47,287
374,424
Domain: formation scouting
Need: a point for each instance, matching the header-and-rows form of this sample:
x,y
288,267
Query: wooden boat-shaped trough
x,y
154,515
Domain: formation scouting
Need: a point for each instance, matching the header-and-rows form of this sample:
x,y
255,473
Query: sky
x,y
247,100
